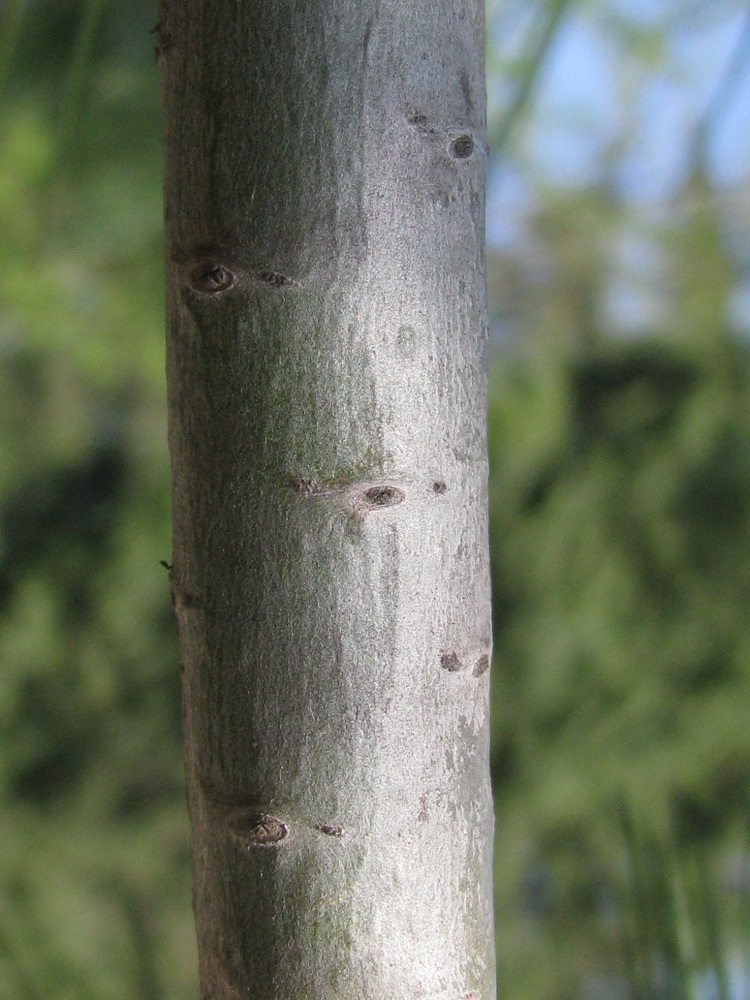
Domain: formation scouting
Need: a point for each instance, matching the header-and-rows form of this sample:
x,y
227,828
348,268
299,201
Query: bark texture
x,y
325,166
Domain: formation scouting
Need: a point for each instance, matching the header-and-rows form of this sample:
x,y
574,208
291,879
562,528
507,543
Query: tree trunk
x,y
325,166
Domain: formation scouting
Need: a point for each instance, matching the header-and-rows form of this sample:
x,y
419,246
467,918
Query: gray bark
x,y
324,189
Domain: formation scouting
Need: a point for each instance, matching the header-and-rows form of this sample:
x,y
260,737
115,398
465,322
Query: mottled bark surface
x,y
325,166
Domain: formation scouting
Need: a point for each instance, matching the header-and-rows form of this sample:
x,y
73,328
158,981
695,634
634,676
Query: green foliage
x,y
620,507
94,876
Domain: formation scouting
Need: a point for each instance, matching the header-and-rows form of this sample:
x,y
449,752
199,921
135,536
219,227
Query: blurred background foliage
x,y
619,281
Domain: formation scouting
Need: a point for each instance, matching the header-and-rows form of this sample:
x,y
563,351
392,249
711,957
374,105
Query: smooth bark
x,y
325,166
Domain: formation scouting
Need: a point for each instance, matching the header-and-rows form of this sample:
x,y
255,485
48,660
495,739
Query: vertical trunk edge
x,y
326,351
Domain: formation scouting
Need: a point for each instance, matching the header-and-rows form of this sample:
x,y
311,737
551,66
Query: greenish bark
x,y
324,190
